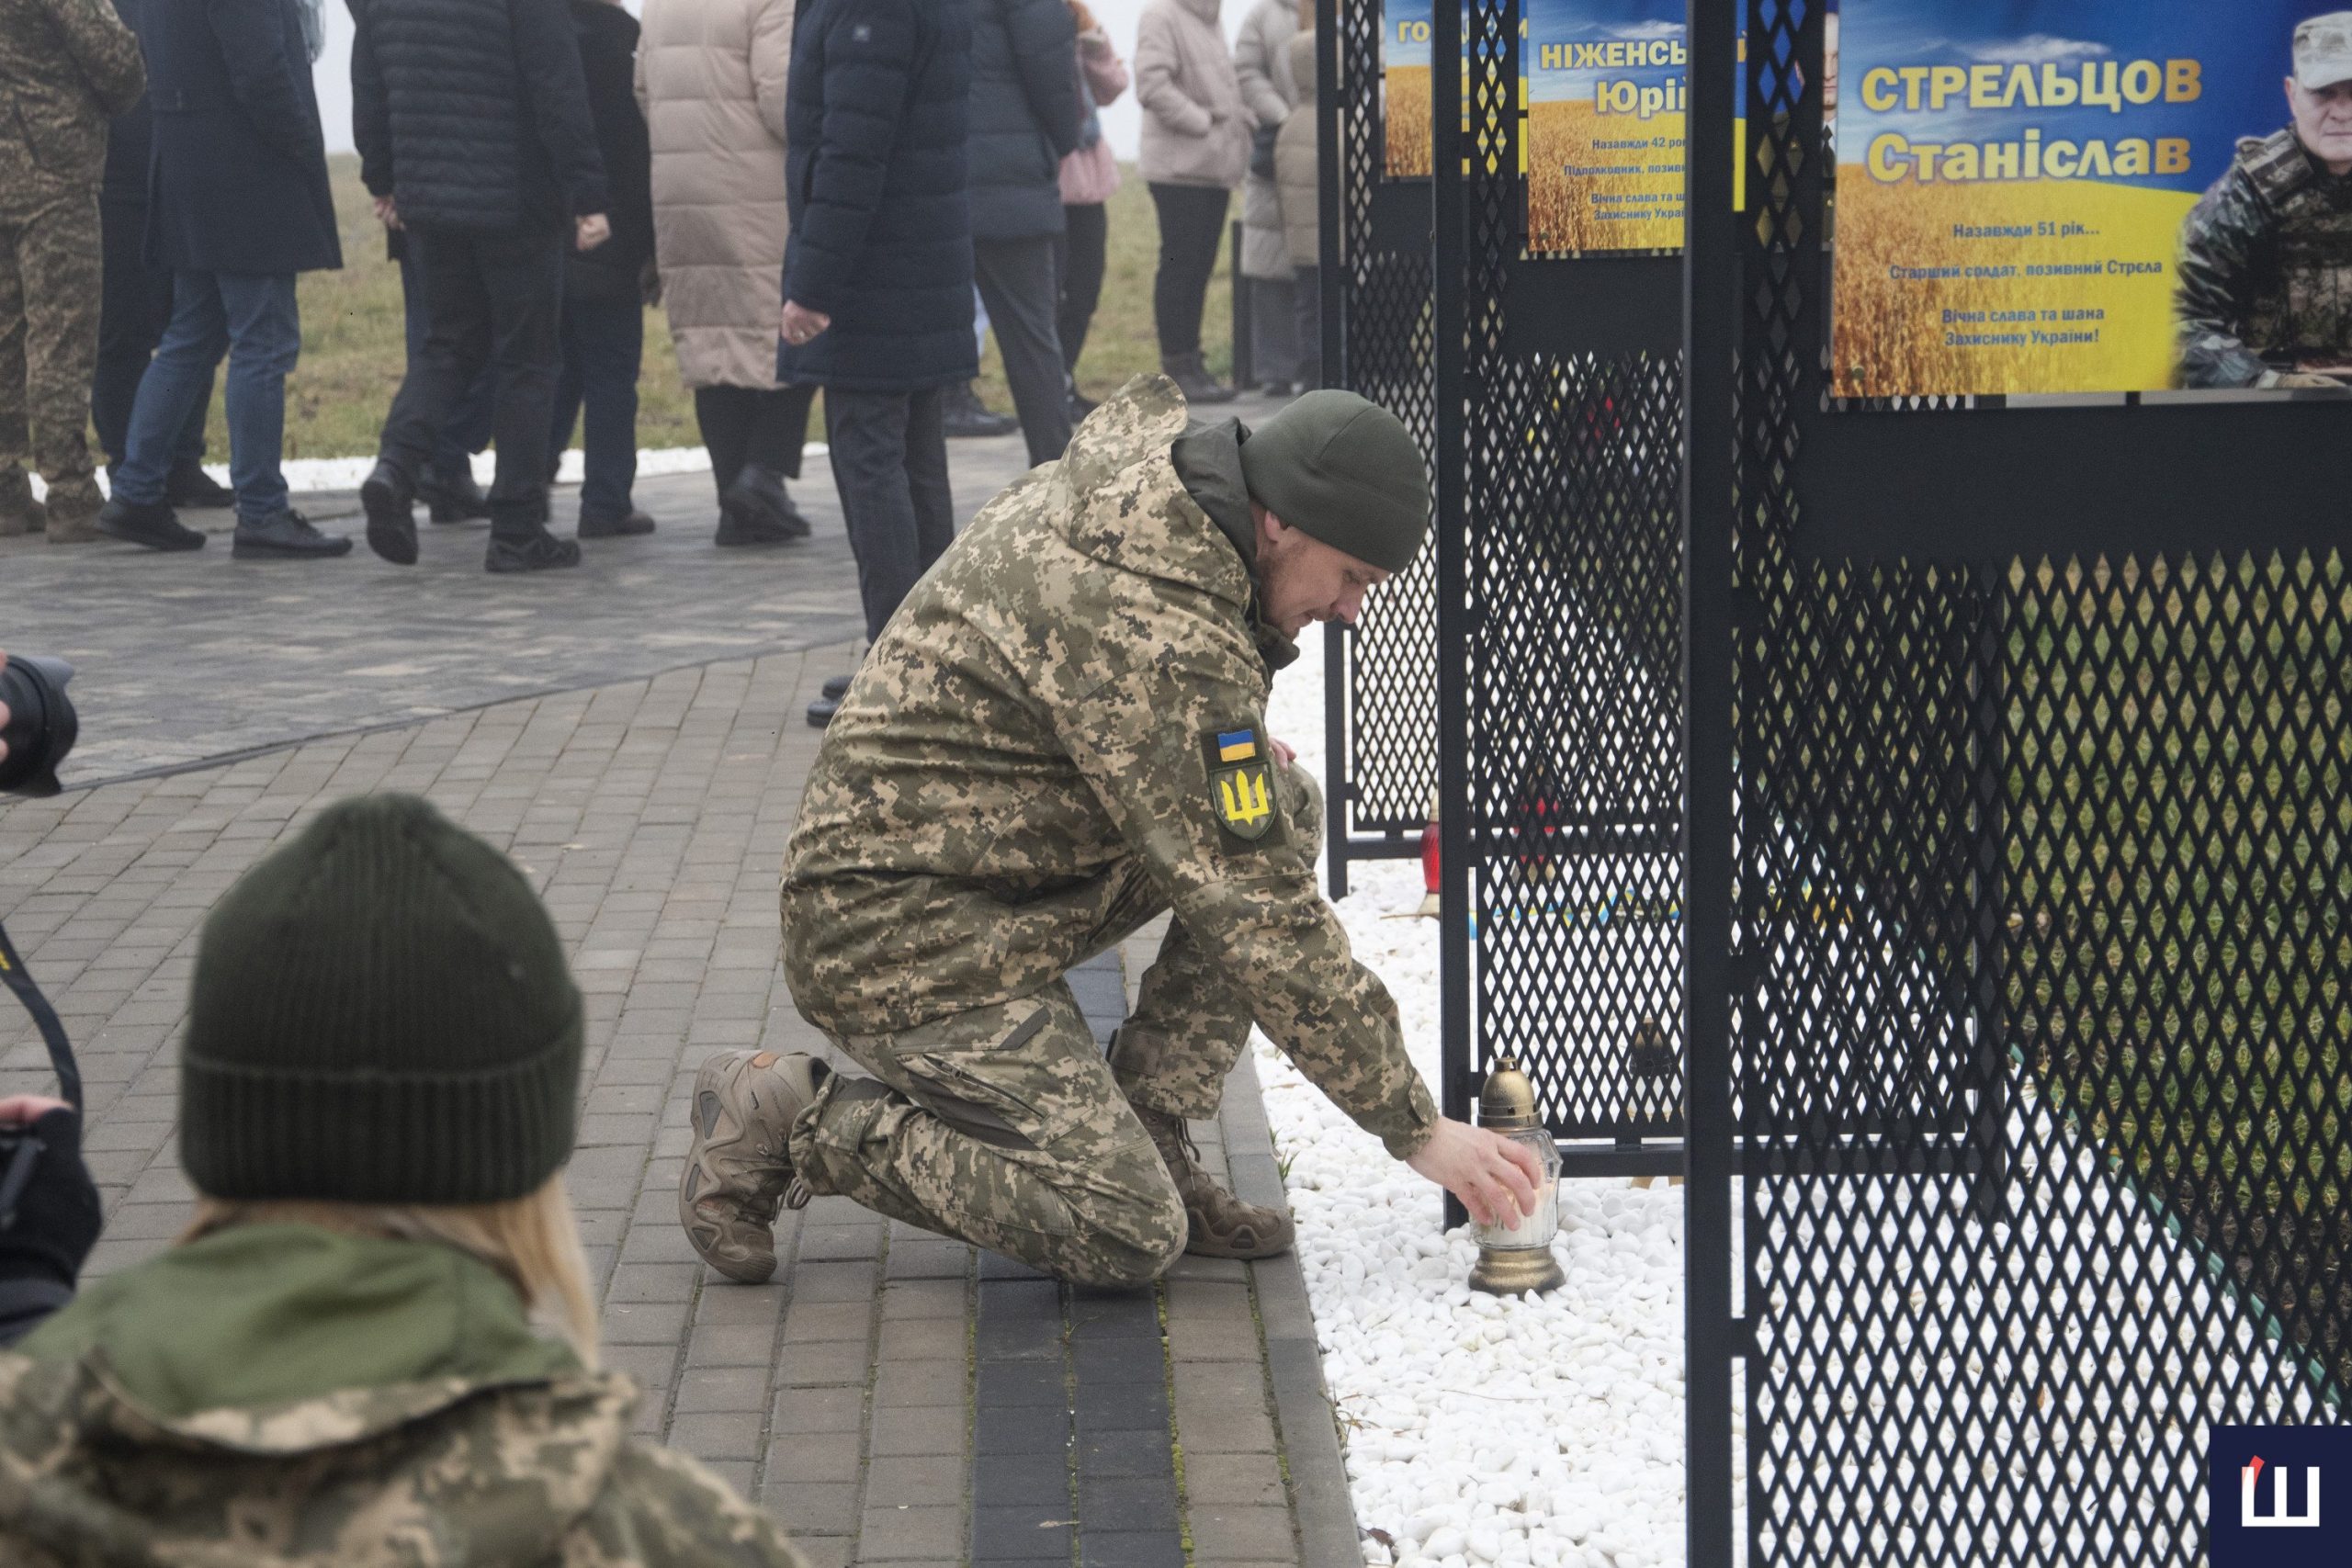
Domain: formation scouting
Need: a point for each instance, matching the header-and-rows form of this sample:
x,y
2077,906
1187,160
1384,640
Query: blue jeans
x,y
253,318
603,343
466,430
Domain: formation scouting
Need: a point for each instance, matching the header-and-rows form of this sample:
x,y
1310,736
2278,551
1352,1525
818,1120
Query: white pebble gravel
x,y
1482,1432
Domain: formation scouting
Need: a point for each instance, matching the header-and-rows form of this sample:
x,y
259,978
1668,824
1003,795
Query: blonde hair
x,y
532,1240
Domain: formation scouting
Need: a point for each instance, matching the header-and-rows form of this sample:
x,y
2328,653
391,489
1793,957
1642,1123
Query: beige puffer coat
x,y
710,74
1266,89
1195,127
1297,157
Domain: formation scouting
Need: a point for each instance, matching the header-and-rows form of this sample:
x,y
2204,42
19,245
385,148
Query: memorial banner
x,y
1405,88
1605,141
2090,196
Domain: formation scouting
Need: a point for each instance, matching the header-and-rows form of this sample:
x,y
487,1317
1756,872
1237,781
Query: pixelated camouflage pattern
x,y
1015,1140
1002,1126
2265,270
66,67
1016,778
424,1475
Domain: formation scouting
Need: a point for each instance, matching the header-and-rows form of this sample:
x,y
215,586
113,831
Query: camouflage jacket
x,y
1045,705
276,1395
2265,270
66,67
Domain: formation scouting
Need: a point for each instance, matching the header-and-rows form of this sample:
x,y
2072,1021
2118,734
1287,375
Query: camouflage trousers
x,y
1007,1127
49,336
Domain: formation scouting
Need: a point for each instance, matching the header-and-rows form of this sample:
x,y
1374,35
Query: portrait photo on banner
x,y
2070,197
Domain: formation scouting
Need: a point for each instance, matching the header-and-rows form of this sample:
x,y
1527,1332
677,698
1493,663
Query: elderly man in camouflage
x,y
2266,267
1060,734
66,67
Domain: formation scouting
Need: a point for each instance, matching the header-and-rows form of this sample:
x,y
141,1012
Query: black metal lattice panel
x,y
1570,522
1384,741
2039,989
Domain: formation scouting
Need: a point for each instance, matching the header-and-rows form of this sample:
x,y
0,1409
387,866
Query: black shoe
x,y
387,495
1279,389
756,509
836,688
961,414
1081,405
541,551
821,711
1194,380
457,499
151,523
188,485
284,536
635,521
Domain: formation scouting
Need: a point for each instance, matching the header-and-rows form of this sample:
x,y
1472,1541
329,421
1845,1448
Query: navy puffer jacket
x,y
1025,114
875,116
473,114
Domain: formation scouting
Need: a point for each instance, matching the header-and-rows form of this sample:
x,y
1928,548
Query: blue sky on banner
x,y
1405,32
2243,47
1595,21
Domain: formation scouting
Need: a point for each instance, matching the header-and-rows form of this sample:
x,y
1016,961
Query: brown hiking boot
x,y
738,1167
19,513
1217,1225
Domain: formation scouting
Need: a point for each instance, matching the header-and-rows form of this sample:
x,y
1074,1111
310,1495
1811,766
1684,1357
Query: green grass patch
x,y
354,349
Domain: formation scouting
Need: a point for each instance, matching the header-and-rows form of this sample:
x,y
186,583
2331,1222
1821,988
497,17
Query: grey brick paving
x,y
649,804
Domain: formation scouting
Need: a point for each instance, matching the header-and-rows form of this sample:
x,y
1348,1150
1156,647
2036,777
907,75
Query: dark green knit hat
x,y
1345,471
381,1013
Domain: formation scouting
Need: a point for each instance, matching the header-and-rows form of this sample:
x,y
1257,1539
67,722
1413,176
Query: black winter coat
x,y
130,135
608,64
237,181
473,114
1025,114
875,116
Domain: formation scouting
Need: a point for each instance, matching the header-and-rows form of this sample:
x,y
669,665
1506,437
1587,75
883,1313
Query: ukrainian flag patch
x,y
1241,783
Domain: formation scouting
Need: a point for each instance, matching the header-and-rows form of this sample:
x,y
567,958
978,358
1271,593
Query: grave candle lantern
x,y
1517,1257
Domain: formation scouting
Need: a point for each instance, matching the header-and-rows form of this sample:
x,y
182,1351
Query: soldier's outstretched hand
x,y
1493,1178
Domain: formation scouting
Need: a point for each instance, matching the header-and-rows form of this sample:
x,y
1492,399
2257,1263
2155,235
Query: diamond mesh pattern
x,y
1572,527
1389,742
2042,994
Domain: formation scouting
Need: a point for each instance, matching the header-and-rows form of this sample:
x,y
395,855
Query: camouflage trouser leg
x,y
1189,1025
48,339
1000,1126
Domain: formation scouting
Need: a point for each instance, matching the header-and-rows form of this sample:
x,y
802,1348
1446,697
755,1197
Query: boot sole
x,y
391,530
281,552
129,536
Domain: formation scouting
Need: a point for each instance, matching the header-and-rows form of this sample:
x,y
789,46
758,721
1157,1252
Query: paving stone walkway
x,y
892,1395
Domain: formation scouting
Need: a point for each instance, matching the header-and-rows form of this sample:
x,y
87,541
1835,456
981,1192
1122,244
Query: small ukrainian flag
x,y
1237,745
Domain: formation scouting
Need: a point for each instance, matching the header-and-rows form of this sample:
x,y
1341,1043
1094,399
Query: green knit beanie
x,y
1345,471
381,1013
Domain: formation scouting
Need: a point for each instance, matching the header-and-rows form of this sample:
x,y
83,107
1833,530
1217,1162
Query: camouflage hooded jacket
x,y
1048,707
279,1395
2266,269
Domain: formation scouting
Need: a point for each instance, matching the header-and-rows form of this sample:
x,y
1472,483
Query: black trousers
x,y
889,459
134,304
493,299
765,426
1017,284
1191,224
1078,264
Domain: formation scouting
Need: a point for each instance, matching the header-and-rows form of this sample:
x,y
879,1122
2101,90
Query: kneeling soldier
x,y
1059,735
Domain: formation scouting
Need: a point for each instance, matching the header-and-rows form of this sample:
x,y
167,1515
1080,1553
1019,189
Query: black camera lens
x,y
42,724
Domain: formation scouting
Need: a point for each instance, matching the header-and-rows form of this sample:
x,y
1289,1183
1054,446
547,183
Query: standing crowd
x,y
544,170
